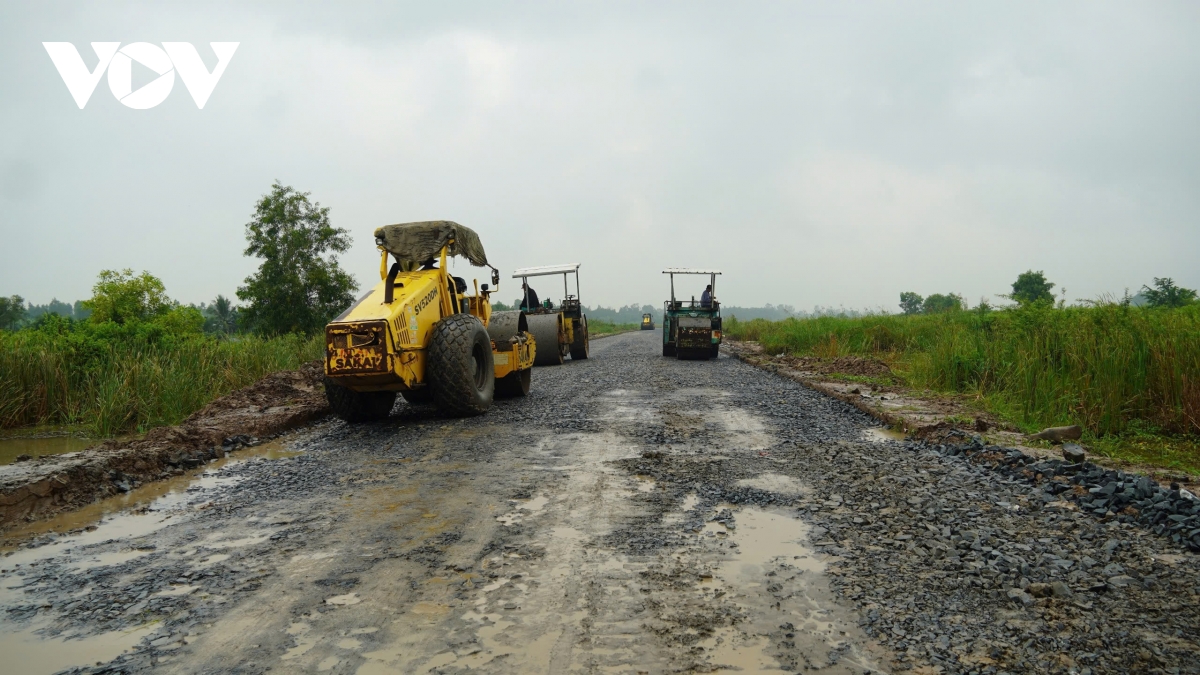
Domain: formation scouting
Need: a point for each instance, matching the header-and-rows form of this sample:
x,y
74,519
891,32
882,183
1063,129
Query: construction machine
x,y
560,330
647,322
691,328
418,333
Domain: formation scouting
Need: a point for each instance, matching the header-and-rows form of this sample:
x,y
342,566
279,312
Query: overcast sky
x,y
818,153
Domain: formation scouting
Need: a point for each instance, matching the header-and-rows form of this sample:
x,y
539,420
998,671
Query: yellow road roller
x,y
561,329
418,333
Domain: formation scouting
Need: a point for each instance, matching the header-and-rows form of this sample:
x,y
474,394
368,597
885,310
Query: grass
x,y
111,381
598,327
1129,376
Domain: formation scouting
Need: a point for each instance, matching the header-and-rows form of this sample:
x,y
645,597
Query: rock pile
x,y
1105,493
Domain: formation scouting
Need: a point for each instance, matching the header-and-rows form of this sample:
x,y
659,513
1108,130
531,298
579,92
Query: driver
x,y
530,299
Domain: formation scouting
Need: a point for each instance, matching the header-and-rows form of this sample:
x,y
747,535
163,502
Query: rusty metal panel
x,y
690,338
356,348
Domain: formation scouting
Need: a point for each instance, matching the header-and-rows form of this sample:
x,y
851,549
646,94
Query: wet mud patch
x,y
54,484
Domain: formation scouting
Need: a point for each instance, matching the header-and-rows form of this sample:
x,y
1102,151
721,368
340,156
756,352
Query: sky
x,y
818,153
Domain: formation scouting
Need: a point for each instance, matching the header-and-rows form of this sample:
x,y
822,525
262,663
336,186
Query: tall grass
x,y
129,381
1108,368
598,327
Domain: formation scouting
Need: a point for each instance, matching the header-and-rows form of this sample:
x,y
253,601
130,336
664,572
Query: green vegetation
x,y
1121,372
1031,287
115,378
12,312
598,327
1166,294
911,303
299,286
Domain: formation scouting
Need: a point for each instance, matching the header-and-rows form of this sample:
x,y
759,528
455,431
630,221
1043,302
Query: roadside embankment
x,y
1128,376
47,485
921,417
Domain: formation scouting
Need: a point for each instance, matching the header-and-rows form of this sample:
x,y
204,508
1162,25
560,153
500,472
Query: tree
x,y
121,297
1166,294
910,302
938,303
222,315
1031,287
12,312
299,286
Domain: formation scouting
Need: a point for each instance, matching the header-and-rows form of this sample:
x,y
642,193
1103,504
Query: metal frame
x,y
545,270
672,271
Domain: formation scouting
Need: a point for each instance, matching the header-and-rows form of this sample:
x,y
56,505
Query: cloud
x,y
818,153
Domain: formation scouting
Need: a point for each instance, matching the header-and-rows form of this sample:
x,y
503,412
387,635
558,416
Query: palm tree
x,y
225,313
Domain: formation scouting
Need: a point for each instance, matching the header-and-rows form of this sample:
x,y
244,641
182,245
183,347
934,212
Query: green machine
x,y
692,328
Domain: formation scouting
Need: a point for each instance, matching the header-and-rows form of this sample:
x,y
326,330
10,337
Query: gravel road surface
x,y
634,514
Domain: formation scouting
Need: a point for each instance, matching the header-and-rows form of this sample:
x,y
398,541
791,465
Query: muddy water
x,y
768,546
881,434
134,514
123,525
28,653
12,448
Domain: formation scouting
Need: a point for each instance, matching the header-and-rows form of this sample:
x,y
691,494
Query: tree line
x,y
1032,288
299,285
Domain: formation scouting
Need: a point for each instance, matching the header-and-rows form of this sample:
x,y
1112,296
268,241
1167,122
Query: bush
x,y
115,378
1106,367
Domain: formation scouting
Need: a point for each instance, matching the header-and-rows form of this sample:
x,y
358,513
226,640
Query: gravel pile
x,y
1171,512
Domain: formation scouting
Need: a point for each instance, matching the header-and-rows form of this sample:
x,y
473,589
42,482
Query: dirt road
x,y
635,514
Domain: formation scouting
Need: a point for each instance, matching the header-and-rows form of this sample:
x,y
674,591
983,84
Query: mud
x,y
54,483
634,514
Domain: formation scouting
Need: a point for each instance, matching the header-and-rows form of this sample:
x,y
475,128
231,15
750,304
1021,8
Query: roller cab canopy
x,y
416,242
545,270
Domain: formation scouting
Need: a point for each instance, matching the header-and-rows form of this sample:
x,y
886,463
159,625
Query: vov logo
x,y
172,57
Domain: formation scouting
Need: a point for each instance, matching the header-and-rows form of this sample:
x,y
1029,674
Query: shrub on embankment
x,y
117,378
1111,368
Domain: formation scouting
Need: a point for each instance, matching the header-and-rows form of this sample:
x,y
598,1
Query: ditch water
x,y
12,448
120,516
138,513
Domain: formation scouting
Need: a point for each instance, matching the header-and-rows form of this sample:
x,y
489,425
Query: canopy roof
x,y
418,242
689,270
545,269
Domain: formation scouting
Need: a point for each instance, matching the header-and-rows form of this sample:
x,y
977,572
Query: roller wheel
x,y
514,384
418,396
459,366
668,349
358,406
579,348
716,349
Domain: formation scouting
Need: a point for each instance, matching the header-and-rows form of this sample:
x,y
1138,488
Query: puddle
x,y
112,515
35,655
645,483
524,508
213,560
11,448
776,483
106,559
732,652
691,501
769,547
343,600
173,591
881,434
763,537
